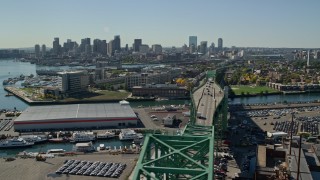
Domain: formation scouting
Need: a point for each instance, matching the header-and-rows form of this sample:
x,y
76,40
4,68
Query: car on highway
x,y
153,116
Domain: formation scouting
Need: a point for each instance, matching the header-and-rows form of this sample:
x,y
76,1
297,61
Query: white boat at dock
x,y
34,138
106,135
83,137
127,134
56,151
15,143
83,147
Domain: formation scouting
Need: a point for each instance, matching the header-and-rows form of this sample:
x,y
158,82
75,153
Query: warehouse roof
x,y
77,111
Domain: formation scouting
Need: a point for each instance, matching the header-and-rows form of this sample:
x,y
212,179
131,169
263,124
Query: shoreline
x,y
270,94
30,102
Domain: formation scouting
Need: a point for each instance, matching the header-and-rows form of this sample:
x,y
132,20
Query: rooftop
x,y
76,111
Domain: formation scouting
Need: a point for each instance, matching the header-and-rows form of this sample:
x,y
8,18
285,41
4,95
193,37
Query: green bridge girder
x,y
186,156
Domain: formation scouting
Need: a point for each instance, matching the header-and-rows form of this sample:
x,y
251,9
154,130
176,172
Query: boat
x,y
15,143
58,140
83,147
139,139
106,135
127,134
9,94
56,151
101,147
82,137
34,138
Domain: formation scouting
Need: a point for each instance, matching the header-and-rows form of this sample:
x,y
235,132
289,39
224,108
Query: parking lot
x,y
247,128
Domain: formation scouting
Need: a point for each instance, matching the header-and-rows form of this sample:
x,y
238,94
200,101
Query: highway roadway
x,y
206,99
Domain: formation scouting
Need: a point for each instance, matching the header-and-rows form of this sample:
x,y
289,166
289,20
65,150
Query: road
x,y
206,99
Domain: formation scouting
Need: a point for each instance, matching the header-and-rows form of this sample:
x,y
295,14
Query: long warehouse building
x,y
76,116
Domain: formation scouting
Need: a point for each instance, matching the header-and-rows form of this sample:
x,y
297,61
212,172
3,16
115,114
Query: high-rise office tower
x,y
84,42
56,46
137,44
104,47
117,43
88,49
111,48
43,50
220,44
192,48
211,48
37,50
203,47
193,41
96,46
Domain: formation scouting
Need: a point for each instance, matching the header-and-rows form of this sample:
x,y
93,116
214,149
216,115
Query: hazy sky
x,y
264,23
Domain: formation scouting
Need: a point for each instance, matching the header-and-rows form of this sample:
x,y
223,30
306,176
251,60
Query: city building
x,y
99,46
88,49
117,43
157,48
160,77
111,48
43,50
171,91
137,44
211,48
203,47
144,48
84,43
74,81
56,46
76,116
192,48
220,44
193,41
37,50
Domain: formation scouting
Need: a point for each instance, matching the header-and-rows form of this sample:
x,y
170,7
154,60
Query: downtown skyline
x,y
242,24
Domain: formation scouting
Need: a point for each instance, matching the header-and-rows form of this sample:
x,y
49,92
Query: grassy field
x,y
100,95
252,90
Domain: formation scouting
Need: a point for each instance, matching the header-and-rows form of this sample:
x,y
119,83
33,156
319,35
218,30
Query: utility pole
x,y
291,129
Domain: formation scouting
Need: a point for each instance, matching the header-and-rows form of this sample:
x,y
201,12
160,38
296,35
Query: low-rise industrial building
x,y
76,116
160,90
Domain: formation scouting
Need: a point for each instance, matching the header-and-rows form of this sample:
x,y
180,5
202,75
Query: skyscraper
x,y
117,43
111,48
220,44
37,50
211,48
137,44
192,41
203,47
84,42
56,46
43,50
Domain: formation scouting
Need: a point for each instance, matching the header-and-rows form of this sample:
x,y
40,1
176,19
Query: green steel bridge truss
x,y
189,155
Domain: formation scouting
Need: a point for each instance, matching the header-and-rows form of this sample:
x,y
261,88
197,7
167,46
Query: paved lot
x,y
30,169
10,132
